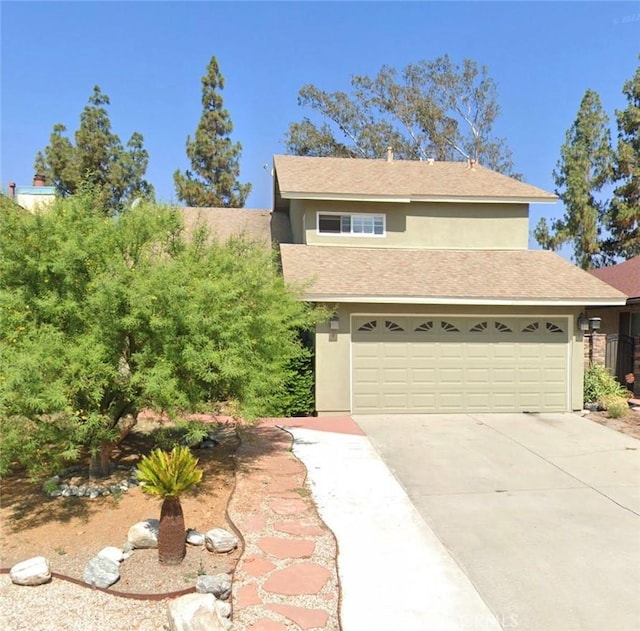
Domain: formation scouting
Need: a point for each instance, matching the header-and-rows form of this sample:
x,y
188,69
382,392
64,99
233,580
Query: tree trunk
x,y
100,464
171,533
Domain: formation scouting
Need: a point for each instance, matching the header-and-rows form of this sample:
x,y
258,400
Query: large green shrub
x,y
299,399
600,385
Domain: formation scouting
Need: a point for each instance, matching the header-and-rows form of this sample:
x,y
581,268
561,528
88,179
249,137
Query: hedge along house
x,y
439,305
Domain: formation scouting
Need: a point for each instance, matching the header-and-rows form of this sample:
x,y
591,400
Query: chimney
x,y
472,164
12,190
389,154
38,180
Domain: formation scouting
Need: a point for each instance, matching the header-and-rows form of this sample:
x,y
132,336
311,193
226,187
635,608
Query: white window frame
x,y
351,233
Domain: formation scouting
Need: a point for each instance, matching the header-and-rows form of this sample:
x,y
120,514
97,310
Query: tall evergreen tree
x,y
585,166
213,178
624,216
97,160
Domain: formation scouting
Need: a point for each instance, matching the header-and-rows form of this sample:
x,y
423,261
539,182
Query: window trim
x,y
320,213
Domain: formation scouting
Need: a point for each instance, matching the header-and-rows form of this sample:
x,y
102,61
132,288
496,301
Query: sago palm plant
x,y
168,475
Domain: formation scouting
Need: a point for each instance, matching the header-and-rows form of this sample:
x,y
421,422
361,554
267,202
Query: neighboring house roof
x,y
259,225
300,177
623,276
410,276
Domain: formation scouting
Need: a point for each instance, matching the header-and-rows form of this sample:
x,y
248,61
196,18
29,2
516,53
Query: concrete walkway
x,y
394,572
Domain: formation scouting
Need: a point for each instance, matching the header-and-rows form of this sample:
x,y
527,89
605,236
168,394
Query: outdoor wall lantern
x,y
334,323
583,323
594,324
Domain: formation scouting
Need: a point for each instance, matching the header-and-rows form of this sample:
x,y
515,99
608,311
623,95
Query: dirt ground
x,y
628,424
70,531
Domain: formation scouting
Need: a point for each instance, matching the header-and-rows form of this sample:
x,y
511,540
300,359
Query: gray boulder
x,y
220,540
144,534
34,571
217,584
101,572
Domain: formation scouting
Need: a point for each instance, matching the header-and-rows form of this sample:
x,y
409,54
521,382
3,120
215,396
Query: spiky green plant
x,y
168,475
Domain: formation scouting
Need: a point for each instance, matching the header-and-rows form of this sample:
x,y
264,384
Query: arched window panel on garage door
x,y
369,326
423,326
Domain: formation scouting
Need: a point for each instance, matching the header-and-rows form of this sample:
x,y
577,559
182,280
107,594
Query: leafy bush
x,y
600,385
616,406
299,399
183,433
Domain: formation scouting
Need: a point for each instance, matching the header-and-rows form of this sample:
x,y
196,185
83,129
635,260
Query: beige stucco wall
x,y
32,202
426,225
333,350
296,217
611,317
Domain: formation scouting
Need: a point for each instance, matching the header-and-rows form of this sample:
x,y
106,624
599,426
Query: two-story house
x,y
439,304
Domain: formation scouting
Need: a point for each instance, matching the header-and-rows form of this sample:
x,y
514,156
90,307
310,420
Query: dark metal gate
x,y
619,355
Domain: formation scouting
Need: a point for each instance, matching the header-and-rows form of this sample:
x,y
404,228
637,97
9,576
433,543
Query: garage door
x,y
449,364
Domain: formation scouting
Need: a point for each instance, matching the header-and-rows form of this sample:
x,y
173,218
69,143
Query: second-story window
x,y
351,224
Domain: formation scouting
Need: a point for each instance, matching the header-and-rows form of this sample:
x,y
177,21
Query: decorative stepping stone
x,y
286,548
298,579
303,617
256,566
300,527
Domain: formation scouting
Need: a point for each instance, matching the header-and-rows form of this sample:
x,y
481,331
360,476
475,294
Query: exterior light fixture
x,y
594,323
334,323
583,323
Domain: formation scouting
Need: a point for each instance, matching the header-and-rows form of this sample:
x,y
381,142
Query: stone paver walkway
x,y
286,578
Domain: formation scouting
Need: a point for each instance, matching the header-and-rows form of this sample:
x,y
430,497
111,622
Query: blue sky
x,y
149,58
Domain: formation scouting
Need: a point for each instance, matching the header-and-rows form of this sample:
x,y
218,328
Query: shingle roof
x,y
344,274
623,276
261,225
303,177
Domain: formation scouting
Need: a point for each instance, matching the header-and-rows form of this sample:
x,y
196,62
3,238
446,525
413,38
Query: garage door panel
x,y
460,364
451,350
479,351
450,376
420,376
478,400
504,376
477,376
424,401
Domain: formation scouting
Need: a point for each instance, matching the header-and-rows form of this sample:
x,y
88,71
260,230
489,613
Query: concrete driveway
x,y
541,512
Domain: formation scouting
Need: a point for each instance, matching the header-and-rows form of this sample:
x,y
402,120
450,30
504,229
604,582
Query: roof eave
x,y
448,300
404,199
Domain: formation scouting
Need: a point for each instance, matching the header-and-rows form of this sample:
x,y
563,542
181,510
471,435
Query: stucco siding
x,y
426,225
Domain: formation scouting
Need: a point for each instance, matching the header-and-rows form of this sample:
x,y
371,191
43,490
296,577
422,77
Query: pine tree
x,y
585,166
624,215
213,178
97,160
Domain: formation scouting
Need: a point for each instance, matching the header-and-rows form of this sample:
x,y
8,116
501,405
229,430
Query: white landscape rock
x,y
144,534
196,612
34,571
220,540
195,538
112,553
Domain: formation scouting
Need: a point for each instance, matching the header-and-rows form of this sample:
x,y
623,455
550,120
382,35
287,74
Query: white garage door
x,y
459,364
